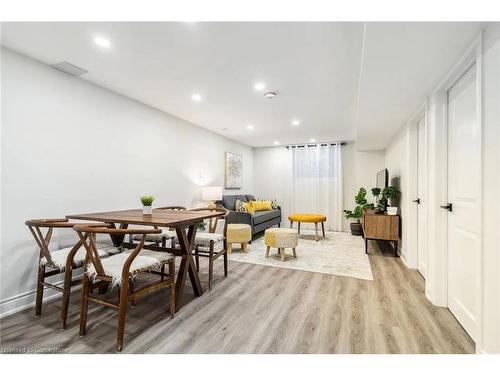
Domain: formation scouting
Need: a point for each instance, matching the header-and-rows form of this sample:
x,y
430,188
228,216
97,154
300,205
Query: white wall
x,y
360,170
272,167
272,173
69,146
396,162
491,191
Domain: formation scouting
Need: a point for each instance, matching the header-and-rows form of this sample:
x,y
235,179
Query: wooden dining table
x,y
184,222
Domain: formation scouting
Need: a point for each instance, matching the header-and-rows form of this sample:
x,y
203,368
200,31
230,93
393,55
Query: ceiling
x,y
343,81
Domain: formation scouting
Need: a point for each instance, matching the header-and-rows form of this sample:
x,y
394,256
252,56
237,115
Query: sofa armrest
x,y
234,217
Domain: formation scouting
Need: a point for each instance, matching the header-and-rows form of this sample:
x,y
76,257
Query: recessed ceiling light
x,y
250,127
196,97
259,86
102,42
276,143
295,122
312,140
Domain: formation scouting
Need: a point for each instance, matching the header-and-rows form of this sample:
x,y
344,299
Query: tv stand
x,y
380,227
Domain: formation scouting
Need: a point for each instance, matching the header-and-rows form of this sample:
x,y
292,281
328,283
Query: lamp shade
x,y
211,193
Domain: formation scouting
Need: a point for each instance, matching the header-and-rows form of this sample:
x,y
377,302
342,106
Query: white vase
x,y
147,210
392,210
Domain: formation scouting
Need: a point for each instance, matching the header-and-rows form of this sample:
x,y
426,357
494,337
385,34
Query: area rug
x,y
338,254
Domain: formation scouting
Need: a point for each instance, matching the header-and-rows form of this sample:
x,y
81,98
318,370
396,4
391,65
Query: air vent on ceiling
x,y
271,94
68,68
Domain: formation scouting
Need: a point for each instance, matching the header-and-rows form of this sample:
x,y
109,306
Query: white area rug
x,y
338,254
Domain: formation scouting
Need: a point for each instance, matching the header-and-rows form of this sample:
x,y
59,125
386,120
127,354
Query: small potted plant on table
x,y
386,194
357,213
147,201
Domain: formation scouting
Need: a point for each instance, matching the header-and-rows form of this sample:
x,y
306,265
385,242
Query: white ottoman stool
x,y
281,238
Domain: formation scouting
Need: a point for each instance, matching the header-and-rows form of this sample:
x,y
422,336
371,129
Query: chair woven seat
x,y
202,240
165,234
146,260
59,256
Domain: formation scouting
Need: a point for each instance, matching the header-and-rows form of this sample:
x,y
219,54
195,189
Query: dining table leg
x,y
187,266
117,238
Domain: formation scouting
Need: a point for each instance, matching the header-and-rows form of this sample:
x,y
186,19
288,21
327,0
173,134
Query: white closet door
x,y
463,193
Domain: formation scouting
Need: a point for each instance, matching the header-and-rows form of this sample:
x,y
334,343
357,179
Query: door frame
x,y
422,113
411,258
437,270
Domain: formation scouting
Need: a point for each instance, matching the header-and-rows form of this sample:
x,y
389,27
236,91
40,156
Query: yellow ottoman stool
x,y
238,233
309,218
281,238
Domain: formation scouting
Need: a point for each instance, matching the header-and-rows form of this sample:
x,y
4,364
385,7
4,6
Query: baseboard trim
x,y
27,300
403,256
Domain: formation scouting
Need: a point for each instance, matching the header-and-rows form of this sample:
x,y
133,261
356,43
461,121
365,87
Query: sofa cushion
x,y
249,207
262,216
262,205
249,197
229,201
240,206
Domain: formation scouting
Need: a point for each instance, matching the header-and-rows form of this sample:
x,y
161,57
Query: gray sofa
x,y
259,221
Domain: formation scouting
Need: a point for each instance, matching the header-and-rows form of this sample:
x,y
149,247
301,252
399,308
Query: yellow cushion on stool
x,y
307,218
239,233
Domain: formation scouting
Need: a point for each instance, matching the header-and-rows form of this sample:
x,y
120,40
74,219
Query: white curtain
x,y
316,182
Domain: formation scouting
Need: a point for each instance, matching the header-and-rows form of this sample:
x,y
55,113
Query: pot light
x,y
295,122
250,127
102,42
196,97
259,86
312,140
276,143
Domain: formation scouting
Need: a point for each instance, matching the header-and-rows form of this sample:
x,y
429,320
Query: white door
x,y
463,194
422,197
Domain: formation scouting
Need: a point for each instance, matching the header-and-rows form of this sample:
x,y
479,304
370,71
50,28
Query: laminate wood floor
x,y
259,309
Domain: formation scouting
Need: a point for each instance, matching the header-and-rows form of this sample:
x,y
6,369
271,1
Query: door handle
x,y
417,201
448,207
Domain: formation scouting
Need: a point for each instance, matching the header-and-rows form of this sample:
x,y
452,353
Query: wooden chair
x,y
210,244
61,261
120,270
166,233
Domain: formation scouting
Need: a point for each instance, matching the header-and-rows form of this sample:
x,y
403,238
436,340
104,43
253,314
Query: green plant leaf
x,y
147,200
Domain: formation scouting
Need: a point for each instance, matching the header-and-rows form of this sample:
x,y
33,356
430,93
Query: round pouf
x,y
309,218
238,233
281,238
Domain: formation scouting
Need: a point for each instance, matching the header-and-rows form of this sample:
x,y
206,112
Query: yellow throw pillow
x,y
249,206
262,205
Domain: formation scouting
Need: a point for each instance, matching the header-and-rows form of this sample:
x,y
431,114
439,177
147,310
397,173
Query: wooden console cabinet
x,y
380,227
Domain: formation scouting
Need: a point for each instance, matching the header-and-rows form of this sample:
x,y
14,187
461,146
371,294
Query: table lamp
x,y
211,194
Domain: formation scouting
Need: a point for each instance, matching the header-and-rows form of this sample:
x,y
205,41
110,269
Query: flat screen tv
x,y
383,178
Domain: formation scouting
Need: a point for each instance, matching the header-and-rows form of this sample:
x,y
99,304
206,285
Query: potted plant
x,y
383,196
390,193
201,226
380,201
147,201
361,204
